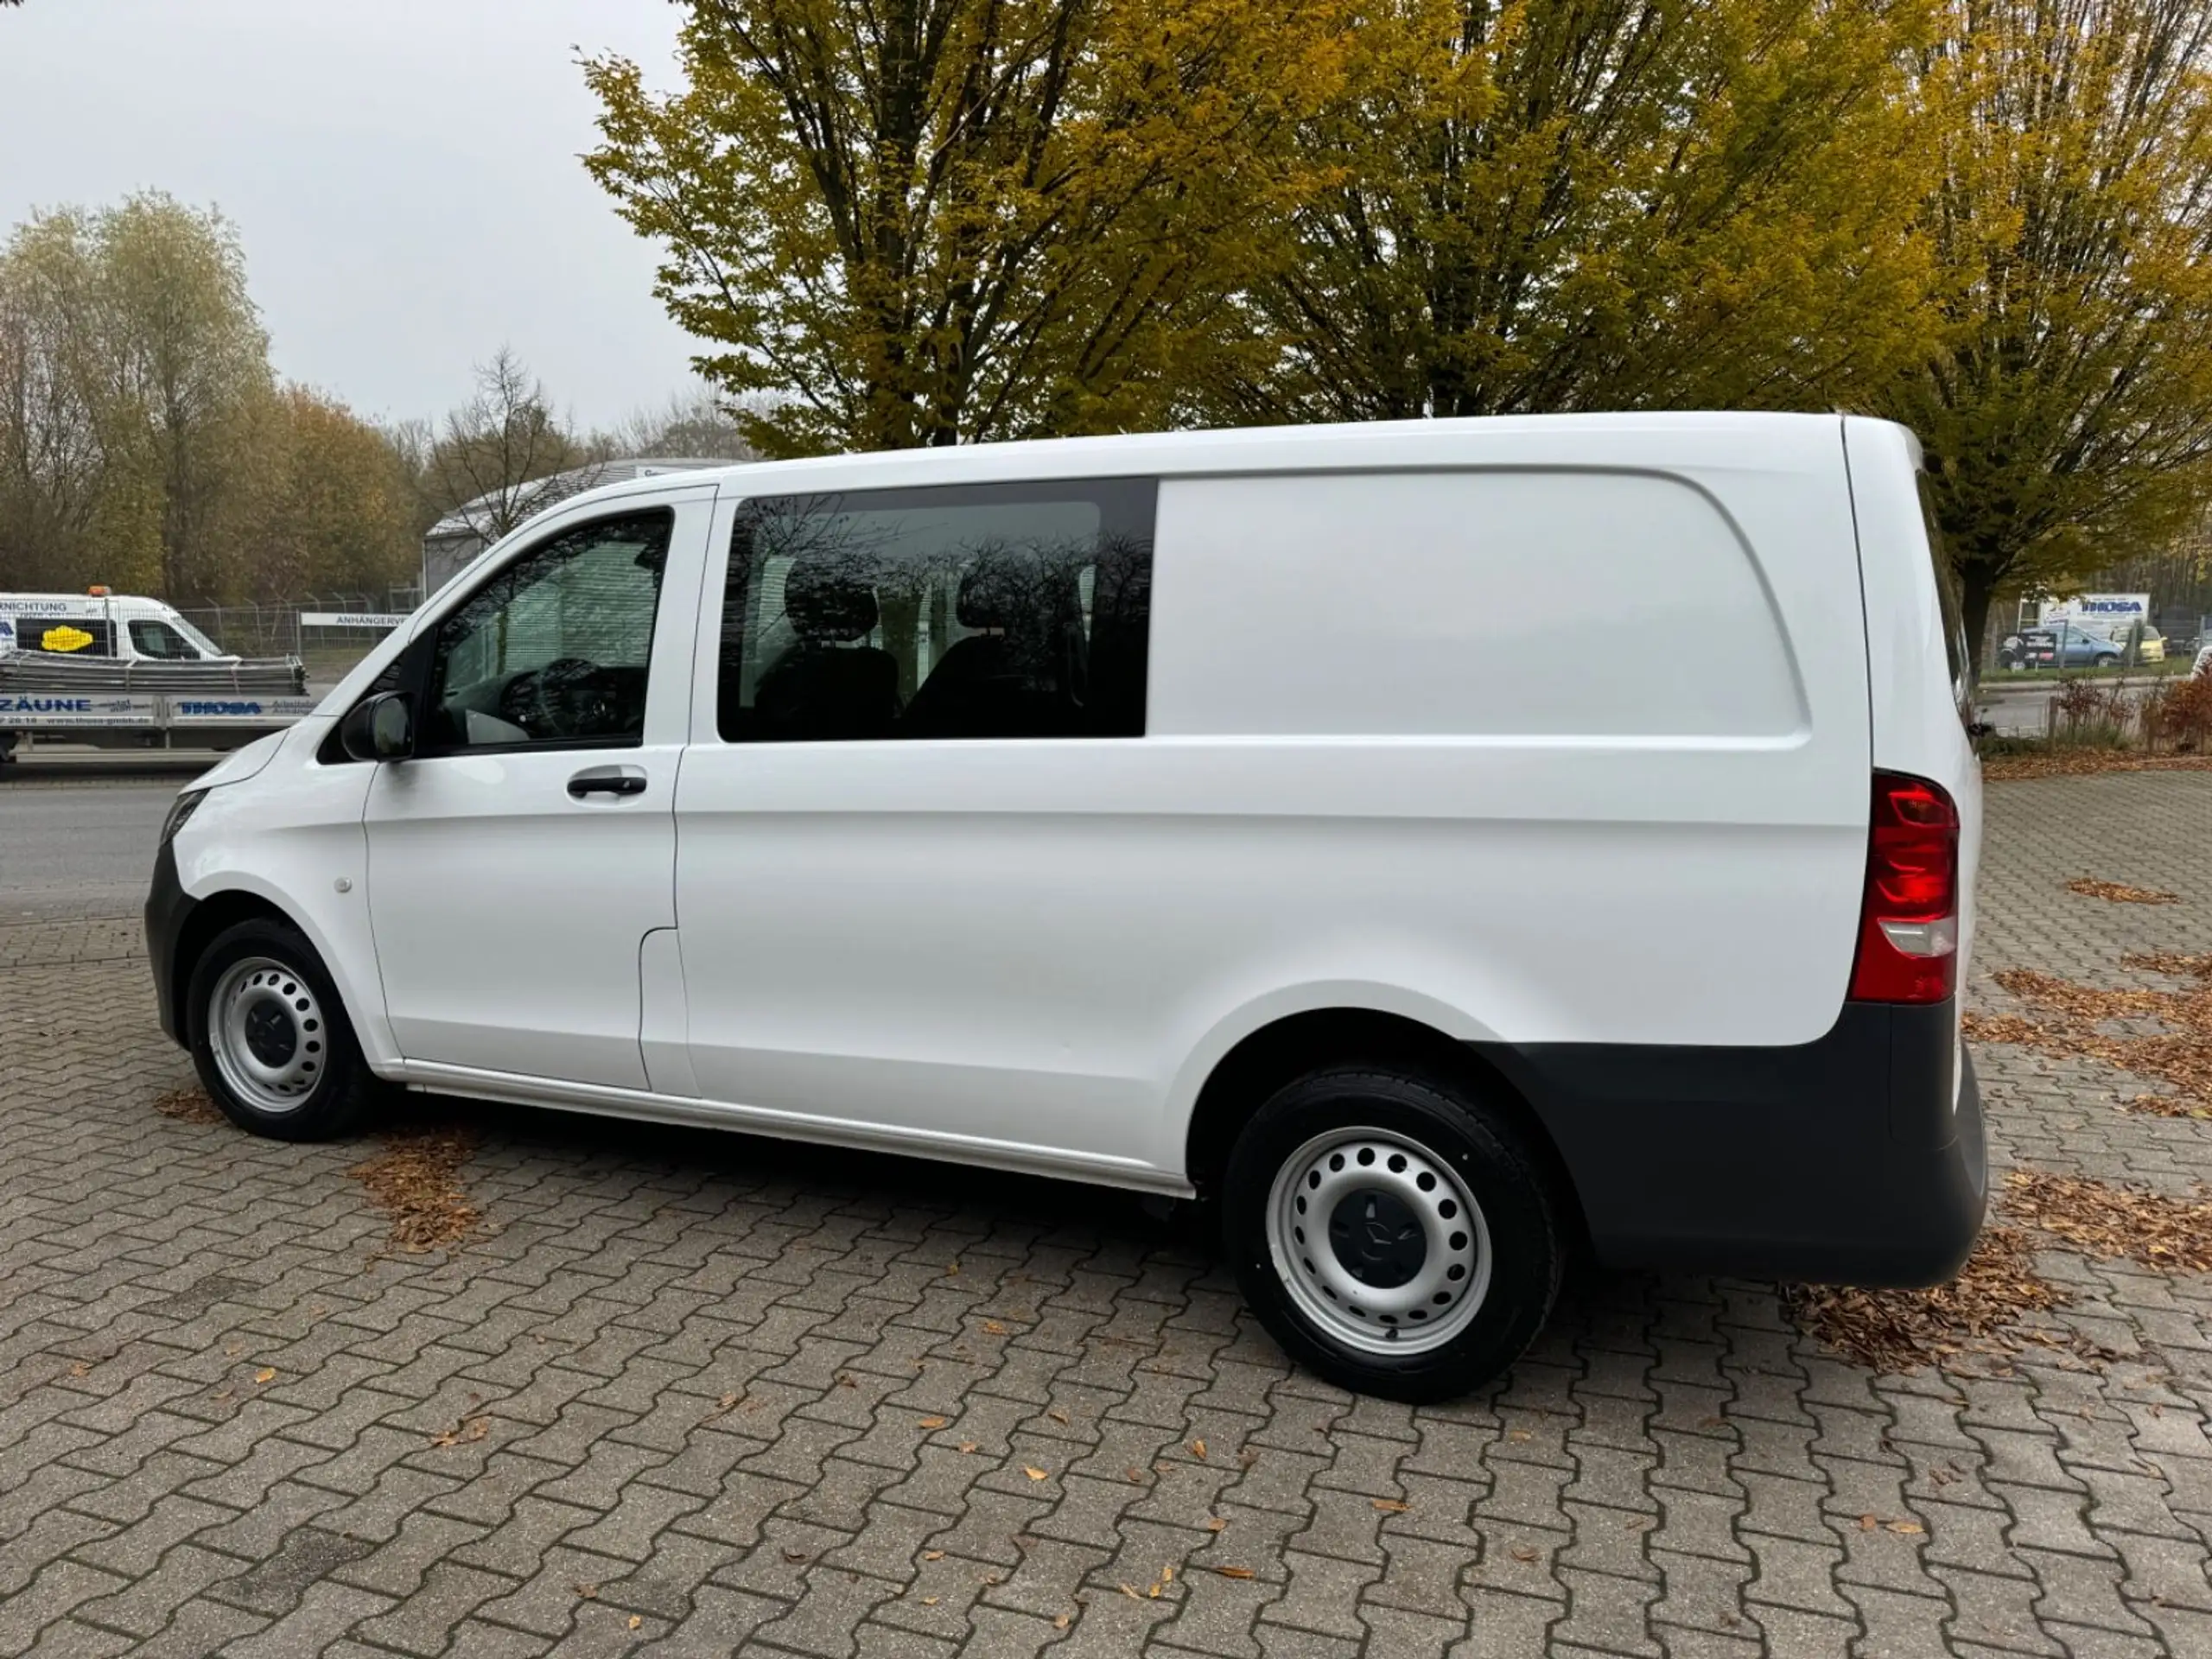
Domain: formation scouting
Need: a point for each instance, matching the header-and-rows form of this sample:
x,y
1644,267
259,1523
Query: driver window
x,y
154,638
554,648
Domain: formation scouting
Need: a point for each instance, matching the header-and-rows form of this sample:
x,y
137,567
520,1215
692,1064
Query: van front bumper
x,y
168,907
1856,1159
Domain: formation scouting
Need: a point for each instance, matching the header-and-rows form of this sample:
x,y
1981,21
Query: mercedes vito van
x,y
1176,812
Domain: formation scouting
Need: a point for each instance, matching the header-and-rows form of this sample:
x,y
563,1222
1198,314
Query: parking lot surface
x,y
685,1394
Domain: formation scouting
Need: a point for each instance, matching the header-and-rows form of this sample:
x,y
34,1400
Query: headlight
x,y
179,812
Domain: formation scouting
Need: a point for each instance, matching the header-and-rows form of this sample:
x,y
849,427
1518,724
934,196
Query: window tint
x,y
554,648
151,637
65,636
964,612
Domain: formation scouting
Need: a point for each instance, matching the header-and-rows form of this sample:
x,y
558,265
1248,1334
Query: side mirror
x,y
381,727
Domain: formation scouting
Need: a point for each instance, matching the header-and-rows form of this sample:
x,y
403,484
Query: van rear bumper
x,y
1857,1158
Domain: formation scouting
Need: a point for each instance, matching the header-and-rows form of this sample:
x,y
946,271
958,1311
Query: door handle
x,y
607,780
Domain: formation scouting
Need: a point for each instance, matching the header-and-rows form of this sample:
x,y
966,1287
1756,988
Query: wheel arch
x,y
209,918
1286,1047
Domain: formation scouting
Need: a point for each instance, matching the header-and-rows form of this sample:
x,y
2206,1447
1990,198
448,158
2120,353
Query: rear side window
x,y
992,611
1958,656
65,636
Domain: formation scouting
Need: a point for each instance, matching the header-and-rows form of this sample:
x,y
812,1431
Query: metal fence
x,y
329,631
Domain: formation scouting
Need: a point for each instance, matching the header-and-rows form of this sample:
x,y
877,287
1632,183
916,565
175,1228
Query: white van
x,y
1171,812
98,625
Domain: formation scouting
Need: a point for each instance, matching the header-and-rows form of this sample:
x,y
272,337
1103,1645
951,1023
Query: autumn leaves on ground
x,y
2161,1031
414,1178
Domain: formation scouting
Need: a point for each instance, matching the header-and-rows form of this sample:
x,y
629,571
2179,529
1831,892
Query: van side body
x,y
1540,748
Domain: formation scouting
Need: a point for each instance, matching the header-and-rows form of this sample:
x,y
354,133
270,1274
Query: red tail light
x,y
1909,923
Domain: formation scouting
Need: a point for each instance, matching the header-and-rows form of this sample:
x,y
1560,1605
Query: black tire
x,y
1473,1144
337,1089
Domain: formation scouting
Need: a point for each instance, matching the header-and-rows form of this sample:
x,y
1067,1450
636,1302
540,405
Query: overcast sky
x,y
402,174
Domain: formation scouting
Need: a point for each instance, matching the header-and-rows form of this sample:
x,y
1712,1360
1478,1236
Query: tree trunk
x,y
1978,586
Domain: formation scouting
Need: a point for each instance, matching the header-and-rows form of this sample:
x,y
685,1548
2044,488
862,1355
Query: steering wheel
x,y
569,698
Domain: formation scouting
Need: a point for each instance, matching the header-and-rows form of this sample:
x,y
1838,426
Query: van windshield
x,y
207,647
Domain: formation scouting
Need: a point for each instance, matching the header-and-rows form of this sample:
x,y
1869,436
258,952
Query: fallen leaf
x,y
1215,1523
1034,1473
794,1554
1391,1505
82,1368
934,1422
1057,1414
1518,1434
929,1601
1199,1450
993,1328
1061,1622
954,1268
2118,893
266,1374
967,1447
932,1554
1867,1523
1130,1591
1522,1553
1135,1475
636,1619
589,1592
1712,1422
1906,1527
1236,1571
846,1379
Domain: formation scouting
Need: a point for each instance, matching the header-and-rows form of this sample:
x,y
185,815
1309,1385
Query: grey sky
x,y
402,174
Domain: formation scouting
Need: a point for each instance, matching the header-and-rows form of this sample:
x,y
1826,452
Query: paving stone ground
x,y
710,1373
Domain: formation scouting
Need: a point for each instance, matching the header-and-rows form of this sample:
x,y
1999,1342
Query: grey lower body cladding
x,y
1857,1158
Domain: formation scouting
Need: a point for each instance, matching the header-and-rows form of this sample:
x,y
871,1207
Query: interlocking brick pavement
x,y
712,1371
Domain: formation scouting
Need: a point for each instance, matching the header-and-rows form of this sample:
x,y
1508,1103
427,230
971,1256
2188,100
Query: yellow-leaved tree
x,y
2067,417
914,222
1587,203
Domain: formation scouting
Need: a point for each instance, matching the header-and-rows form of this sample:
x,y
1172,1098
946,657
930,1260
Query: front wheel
x,y
270,1039
1391,1232
2106,659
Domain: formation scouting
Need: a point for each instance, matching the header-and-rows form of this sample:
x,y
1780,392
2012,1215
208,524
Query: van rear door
x,y
1919,663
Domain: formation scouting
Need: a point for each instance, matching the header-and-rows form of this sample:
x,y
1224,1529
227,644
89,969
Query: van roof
x,y
1361,444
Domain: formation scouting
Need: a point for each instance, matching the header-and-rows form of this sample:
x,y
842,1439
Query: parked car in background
x,y
119,670
98,625
2148,645
2065,646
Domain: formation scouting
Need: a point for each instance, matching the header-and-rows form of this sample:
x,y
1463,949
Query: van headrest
x,y
826,601
994,591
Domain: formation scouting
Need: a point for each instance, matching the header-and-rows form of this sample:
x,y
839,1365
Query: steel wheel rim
x,y
267,1032
1378,1241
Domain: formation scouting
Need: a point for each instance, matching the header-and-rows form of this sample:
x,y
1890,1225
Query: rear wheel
x,y
271,1039
1393,1233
